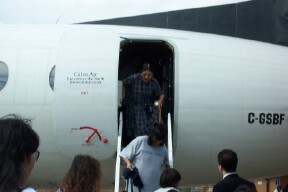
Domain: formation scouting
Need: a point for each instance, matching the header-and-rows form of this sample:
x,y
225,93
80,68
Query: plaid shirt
x,y
138,94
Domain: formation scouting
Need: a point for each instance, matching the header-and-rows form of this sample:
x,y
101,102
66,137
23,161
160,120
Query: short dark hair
x,y
228,160
169,178
18,141
159,132
147,67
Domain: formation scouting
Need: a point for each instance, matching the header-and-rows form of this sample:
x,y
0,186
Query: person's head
x,y
18,152
146,72
244,188
279,187
170,178
227,161
157,134
83,175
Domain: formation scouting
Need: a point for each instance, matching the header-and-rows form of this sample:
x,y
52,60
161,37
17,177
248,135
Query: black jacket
x,y
230,183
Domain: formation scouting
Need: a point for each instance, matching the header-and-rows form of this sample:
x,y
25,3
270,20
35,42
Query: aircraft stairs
x,y
119,141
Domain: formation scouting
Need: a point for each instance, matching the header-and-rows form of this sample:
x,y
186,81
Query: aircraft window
x,y
3,75
51,77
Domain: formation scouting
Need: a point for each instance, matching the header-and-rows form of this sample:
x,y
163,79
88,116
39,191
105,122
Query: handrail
x,y
117,166
170,146
159,108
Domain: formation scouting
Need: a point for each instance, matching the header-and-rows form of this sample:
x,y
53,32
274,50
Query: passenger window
x,y
3,74
51,77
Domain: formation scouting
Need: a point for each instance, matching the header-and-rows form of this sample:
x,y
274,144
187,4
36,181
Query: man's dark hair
x,y
18,141
228,160
159,132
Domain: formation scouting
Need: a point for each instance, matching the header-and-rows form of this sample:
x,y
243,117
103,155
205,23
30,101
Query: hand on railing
x,y
158,104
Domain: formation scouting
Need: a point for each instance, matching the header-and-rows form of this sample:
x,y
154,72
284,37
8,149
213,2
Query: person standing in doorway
x,y
140,92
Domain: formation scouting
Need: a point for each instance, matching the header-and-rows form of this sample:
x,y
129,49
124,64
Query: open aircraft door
x,y
86,93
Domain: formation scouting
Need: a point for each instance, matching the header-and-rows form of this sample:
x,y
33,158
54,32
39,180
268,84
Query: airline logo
x,y
85,78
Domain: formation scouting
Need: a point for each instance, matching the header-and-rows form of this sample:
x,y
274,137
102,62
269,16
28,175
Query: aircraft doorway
x,y
160,54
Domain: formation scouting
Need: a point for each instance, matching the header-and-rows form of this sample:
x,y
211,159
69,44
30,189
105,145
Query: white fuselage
x,y
228,93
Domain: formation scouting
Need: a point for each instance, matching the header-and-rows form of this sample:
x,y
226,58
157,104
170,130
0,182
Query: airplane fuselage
x,y
226,92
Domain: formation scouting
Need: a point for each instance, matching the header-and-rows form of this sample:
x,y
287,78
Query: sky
x,y
75,11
